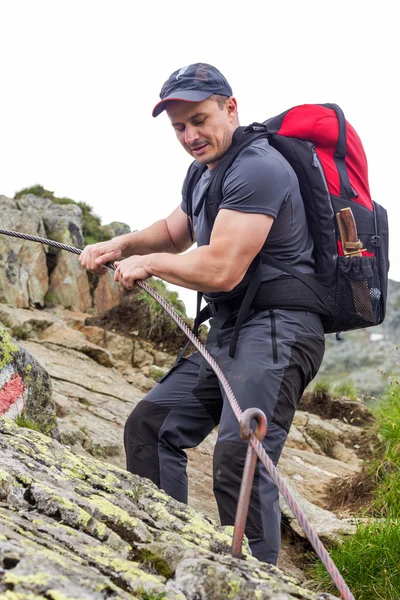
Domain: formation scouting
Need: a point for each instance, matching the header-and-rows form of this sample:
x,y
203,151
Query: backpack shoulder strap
x,y
242,138
194,172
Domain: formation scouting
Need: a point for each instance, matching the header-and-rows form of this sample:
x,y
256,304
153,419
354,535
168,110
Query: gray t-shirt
x,y
259,181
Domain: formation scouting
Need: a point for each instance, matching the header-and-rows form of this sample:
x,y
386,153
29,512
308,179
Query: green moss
x,y
85,402
326,440
7,349
50,299
4,475
151,596
41,390
20,333
155,562
156,373
46,429
9,595
105,556
39,578
111,510
56,595
92,229
22,421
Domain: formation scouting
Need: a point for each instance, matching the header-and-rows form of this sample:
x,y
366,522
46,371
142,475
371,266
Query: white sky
x,y
79,79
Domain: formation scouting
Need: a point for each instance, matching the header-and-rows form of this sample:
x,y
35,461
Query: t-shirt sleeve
x,y
256,184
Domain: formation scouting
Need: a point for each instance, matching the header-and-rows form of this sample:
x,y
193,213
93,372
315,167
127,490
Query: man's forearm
x,y
155,238
198,269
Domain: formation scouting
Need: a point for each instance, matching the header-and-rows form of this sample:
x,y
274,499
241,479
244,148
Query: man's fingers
x,y
107,257
94,257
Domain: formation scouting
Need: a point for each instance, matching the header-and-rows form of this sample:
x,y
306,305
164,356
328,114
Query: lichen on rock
x,y
73,527
25,388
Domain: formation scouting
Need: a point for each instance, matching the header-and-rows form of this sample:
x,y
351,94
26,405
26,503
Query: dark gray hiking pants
x,y
278,354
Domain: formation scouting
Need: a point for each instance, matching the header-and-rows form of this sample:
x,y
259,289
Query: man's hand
x,y
95,256
129,270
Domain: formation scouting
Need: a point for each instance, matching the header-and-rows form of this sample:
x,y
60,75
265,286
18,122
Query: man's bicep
x,y
239,237
178,229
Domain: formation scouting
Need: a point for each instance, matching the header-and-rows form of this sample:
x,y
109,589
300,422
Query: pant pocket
x,y
273,337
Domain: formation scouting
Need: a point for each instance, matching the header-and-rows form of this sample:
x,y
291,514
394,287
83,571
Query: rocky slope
x,y
96,385
74,527
102,350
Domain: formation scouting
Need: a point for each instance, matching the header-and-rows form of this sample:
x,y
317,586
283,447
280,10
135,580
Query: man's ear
x,y
231,108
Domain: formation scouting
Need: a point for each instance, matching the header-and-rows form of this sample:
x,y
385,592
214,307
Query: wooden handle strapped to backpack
x,y
353,247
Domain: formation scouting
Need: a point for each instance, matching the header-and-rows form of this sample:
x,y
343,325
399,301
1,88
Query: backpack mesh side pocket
x,y
357,297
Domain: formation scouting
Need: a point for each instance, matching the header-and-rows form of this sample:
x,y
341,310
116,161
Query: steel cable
x,y
263,456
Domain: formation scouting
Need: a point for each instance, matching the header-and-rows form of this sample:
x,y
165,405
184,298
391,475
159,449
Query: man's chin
x,y
207,159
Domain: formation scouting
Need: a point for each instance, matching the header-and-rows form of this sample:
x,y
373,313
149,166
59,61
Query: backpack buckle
x,y
255,127
376,241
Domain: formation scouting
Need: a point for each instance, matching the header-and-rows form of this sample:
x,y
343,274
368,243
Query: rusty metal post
x,y
248,474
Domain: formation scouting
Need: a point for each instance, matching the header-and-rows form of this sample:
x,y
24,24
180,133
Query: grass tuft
x,y
92,229
22,421
345,388
160,323
323,386
369,561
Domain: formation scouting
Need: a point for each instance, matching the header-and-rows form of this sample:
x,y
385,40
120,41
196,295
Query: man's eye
x,y
199,122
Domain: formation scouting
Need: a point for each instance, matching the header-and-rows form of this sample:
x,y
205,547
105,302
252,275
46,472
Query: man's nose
x,y
191,134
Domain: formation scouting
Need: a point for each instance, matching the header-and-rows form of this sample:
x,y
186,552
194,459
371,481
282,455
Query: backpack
x,y
349,288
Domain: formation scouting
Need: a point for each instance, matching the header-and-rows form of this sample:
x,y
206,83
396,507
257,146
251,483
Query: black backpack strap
x,y
242,138
194,174
247,301
309,281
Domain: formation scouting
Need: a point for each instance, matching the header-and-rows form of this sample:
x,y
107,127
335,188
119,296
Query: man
x,y
278,351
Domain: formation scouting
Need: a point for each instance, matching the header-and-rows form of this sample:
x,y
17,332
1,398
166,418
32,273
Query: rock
x,y
92,401
313,473
61,335
139,379
24,323
133,314
116,228
328,527
68,281
73,527
333,438
23,268
25,388
141,355
107,292
91,420
68,284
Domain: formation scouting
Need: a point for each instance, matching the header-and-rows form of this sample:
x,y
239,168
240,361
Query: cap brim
x,y
184,96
